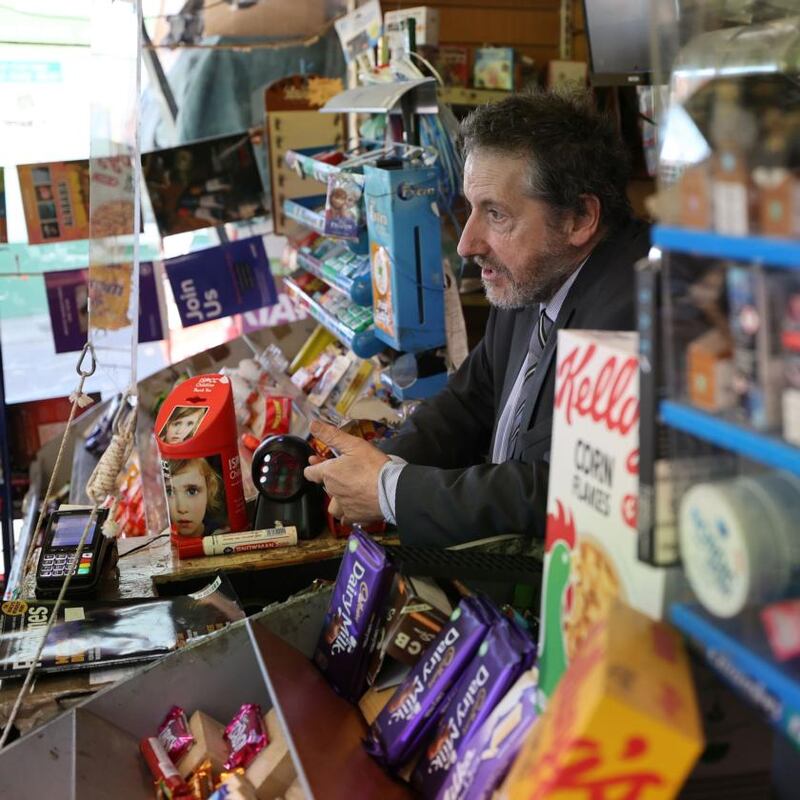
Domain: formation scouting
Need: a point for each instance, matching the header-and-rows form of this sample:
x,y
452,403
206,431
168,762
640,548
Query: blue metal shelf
x,y
738,651
723,433
357,289
363,343
783,253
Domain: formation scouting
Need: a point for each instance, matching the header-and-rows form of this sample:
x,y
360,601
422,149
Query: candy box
x,y
352,623
197,441
407,719
503,655
623,722
591,540
488,753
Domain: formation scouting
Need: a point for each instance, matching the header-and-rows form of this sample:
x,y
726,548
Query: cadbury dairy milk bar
x,y
503,655
403,723
487,755
353,618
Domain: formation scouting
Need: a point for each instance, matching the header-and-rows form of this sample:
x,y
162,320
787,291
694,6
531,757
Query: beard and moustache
x,y
545,274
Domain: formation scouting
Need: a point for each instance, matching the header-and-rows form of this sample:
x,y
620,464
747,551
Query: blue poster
x,y
221,281
68,303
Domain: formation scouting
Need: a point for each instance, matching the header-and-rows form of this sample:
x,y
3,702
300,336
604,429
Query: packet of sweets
x,y
353,620
245,735
408,717
174,734
502,656
487,755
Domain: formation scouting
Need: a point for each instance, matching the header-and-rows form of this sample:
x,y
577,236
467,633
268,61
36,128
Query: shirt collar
x,y
553,307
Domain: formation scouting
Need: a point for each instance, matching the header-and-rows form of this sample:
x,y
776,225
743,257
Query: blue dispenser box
x,y
405,247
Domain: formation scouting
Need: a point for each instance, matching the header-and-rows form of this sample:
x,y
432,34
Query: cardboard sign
x,y
68,301
221,281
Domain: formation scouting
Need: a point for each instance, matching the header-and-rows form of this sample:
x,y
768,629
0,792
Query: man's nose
x,y
471,242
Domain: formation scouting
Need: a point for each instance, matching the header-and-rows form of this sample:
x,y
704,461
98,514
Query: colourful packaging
x,y
487,754
409,716
353,620
174,734
591,541
623,722
501,657
245,736
197,441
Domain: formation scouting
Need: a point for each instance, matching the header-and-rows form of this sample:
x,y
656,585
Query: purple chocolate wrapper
x,y
501,658
491,749
355,612
407,718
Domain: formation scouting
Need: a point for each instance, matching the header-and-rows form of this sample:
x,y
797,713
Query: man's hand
x,y
350,479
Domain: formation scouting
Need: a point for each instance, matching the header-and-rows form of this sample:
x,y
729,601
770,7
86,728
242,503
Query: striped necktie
x,y
537,343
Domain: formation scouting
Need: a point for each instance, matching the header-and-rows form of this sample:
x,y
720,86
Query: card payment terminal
x,y
61,538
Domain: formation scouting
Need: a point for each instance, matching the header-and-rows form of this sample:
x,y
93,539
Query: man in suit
x,y
551,228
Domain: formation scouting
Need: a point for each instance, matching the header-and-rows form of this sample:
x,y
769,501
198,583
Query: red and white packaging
x,y
197,441
591,540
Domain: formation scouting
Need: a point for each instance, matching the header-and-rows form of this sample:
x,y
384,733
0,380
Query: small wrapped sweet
x,y
175,735
167,778
406,720
245,736
502,656
352,622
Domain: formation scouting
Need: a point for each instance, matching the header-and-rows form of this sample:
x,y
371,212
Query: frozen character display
x,y
196,497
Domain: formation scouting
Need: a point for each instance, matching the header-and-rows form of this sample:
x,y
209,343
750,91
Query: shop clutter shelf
x,y
357,286
313,168
773,252
756,446
363,343
462,96
738,651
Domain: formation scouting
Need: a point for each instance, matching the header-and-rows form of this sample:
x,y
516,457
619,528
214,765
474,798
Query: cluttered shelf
x,y
774,252
363,343
759,447
355,284
740,652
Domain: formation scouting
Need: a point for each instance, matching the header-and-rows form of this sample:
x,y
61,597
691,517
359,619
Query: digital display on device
x,y
67,531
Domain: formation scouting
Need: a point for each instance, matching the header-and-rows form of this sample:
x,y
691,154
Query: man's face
x,y
523,253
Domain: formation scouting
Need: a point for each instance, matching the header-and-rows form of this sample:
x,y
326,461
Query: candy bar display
x,y
246,759
352,623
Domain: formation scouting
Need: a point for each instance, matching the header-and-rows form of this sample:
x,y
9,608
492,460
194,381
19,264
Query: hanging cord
x,y
53,615
79,400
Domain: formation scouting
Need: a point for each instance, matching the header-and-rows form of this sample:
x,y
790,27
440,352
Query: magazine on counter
x,y
110,633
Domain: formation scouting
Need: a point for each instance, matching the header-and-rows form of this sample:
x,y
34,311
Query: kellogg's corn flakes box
x,y
623,723
591,539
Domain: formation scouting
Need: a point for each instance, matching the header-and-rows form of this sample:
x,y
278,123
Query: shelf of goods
x,y
769,450
772,252
737,649
355,284
363,343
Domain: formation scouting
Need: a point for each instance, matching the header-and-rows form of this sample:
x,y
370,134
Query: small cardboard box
x,y
591,541
426,23
624,722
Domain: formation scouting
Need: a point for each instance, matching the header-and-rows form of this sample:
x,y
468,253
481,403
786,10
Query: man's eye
x,y
496,215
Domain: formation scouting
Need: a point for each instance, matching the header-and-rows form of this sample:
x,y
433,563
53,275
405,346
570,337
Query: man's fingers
x,y
334,510
315,459
333,437
315,473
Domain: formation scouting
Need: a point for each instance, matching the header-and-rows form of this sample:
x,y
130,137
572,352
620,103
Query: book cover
x,y
494,68
204,184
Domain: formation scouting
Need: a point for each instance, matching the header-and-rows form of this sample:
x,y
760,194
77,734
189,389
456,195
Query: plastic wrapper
x,y
90,633
167,778
408,717
174,734
246,736
502,656
488,753
352,622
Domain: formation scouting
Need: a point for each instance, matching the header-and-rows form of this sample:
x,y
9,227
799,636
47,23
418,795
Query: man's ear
x,y
584,226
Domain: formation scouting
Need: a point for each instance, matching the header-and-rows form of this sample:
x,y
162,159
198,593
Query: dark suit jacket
x,y
448,494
